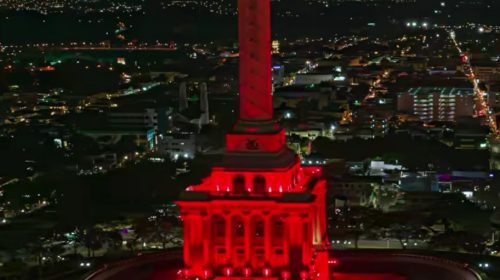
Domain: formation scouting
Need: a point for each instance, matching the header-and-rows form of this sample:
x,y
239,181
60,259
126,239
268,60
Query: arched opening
x,y
258,228
219,226
278,240
278,229
238,228
219,238
258,232
259,185
238,241
239,185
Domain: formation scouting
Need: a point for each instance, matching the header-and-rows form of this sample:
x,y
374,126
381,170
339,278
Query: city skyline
x,y
249,139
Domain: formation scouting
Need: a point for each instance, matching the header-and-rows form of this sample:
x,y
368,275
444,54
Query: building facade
x,y
437,104
177,145
140,118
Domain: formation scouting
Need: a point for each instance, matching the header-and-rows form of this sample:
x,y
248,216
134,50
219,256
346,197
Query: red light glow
x,y
247,271
261,213
228,271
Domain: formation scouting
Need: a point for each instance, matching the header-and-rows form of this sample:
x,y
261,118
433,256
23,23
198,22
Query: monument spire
x,y
255,60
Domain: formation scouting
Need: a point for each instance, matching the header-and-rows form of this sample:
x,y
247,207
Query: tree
x,y
54,252
37,249
166,233
78,239
459,240
144,230
401,233
114,239
93,241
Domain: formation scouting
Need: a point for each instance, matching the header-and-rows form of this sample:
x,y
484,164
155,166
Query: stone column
x,y
229,235
267,236
248,238
187,237
207,241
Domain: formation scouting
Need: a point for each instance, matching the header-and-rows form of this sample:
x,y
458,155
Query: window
x,y
259,251
306,232
219,227
221,251
239,185
238,227
259,228
259,185
278,229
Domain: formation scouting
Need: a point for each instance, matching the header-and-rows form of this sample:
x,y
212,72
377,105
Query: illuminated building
x,y
107,136
121,60
276,46
437,103
260,214
313,78
140,116
278,74
486,71
180,145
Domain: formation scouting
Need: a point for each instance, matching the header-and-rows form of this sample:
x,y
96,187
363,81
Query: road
x,y
482,109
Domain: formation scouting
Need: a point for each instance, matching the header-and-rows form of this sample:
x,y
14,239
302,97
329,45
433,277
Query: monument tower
x,y
260,214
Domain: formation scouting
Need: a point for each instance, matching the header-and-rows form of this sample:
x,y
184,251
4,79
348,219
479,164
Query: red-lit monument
x,y
259,215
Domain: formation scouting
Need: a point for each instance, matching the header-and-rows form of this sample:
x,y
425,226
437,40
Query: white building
x,y
140,118
437,103
178,146
313,78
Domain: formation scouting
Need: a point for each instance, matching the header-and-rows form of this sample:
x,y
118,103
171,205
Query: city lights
x,y
355,139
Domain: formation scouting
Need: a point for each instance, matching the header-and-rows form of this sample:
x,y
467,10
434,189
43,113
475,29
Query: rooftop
x,y
344,265
441,90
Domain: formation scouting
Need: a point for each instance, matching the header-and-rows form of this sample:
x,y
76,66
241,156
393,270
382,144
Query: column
x,y
229,235
267,236
295,238
306,223
207,241
187,238
248,238
196,246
